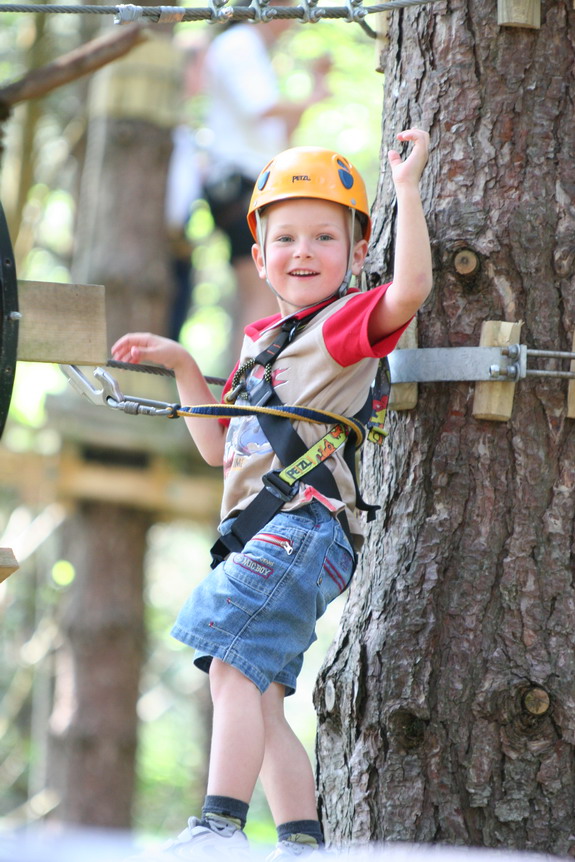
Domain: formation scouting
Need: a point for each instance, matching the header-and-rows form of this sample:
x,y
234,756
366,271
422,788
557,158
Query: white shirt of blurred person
x,y
249,123
183,186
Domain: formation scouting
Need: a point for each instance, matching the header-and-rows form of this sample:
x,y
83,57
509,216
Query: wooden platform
x,y
76,474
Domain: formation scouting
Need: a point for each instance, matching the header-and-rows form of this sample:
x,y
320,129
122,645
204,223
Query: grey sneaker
x,y
285,850
198,843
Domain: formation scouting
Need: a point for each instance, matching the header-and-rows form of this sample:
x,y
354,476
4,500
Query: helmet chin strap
x,y
341,290
344,286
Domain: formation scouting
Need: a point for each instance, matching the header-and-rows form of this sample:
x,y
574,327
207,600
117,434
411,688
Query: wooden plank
x,y
519,13
403,396
494,401
8,563
63,323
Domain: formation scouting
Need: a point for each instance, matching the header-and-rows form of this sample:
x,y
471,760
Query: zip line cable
x,y
159,370
309,12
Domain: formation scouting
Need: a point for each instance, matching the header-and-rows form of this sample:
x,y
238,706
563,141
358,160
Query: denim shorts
x,y
258,609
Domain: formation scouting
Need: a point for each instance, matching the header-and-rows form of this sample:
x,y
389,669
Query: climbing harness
x,y
280,486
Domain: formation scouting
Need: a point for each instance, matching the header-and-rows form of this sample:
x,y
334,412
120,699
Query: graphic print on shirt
x,y
245,437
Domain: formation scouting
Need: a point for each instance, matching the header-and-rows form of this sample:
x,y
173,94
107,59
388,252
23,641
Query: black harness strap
x,y
274,493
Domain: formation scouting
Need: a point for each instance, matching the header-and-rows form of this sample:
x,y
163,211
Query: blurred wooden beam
x,y
8,563
158,488
81,61
68,478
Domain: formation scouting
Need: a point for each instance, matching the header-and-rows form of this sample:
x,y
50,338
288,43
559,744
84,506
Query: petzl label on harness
x,y
317,453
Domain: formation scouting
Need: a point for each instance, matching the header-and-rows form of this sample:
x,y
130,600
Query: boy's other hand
x,y
409,171
144,346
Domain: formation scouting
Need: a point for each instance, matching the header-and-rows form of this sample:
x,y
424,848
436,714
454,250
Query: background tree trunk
x,y
93,724
434,719
121,243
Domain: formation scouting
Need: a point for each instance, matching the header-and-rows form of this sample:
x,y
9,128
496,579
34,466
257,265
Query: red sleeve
x,y
346,331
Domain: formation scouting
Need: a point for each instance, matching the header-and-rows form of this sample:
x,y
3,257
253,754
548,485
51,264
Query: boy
x,y
253,618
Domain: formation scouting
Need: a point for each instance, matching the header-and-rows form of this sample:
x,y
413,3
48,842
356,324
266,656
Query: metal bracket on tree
x,y
503,364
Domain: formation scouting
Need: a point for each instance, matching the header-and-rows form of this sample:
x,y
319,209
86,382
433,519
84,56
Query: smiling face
x,y
306,251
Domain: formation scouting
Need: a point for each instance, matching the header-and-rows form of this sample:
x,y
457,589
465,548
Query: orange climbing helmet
x,y
310,172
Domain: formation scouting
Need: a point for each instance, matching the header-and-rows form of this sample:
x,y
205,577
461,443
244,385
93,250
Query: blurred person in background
x,y
184,185
249,122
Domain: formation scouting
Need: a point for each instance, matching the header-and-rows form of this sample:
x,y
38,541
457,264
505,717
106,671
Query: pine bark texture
x,y
447,703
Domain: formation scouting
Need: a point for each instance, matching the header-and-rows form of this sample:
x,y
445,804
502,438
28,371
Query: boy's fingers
x,y
128,347
418,136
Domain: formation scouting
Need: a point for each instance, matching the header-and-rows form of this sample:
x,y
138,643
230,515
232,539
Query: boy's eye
x,y
325,236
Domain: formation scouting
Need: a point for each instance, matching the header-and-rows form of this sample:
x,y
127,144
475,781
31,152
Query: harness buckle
x,y
279,487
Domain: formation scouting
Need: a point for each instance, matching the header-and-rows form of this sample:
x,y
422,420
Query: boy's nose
x,y
302,249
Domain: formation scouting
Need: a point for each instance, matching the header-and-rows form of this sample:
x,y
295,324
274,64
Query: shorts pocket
x,y
336,573
265,559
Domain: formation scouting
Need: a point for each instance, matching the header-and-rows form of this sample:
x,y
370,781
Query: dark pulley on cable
x,y
9,317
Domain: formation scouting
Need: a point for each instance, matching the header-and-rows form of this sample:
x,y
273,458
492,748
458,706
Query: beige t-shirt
x,y
330,365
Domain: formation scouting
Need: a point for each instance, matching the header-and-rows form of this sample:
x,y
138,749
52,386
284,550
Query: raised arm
x,y
208,433
412,275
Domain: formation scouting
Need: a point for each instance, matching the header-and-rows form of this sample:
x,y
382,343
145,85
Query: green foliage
x,y
349,120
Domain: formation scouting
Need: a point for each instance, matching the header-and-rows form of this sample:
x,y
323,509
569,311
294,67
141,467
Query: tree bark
x,y
446,705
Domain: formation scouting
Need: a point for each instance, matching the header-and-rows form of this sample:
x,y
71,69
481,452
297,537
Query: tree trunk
x,y
121,243
122,239
446,705
93,723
